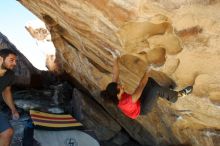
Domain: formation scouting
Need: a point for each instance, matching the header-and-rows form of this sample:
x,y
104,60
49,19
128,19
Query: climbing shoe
x,y
185,91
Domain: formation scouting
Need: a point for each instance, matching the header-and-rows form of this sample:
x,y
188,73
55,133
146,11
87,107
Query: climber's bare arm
x,y
138,91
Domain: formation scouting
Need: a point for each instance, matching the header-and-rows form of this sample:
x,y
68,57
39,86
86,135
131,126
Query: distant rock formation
x,y
38,31
181,38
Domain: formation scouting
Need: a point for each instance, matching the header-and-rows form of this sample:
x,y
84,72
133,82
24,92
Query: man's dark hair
x,y
5,52
111,92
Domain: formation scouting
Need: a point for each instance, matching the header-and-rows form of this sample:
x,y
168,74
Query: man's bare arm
x,y
138,91
7,96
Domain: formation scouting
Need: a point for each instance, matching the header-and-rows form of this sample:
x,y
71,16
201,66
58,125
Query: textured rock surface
x,y
93,117
39,33
181,38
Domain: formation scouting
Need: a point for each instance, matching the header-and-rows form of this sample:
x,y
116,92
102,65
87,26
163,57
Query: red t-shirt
x,y
129,108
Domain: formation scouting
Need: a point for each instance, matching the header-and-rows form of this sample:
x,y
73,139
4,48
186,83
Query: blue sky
x,y
14,17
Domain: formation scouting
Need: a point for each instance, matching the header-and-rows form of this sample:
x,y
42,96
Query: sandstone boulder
x,y
180,37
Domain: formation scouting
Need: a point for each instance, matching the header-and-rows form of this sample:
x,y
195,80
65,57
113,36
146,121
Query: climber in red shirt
x,y
144,96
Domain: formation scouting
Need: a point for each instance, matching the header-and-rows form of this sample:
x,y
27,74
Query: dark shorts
x,y
4,121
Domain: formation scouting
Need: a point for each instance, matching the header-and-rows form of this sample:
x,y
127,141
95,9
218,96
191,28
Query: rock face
x,y
39,33
88,112
181,38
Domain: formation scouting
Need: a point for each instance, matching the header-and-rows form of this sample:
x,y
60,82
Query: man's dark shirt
x,y
6,80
